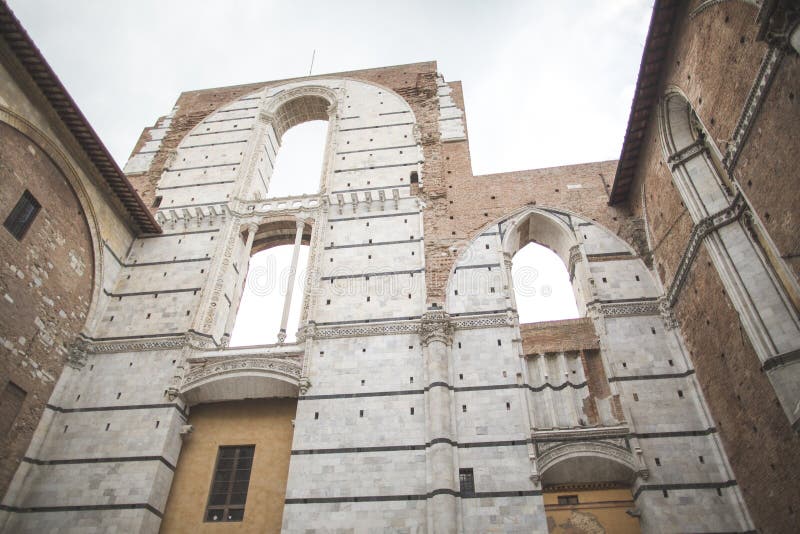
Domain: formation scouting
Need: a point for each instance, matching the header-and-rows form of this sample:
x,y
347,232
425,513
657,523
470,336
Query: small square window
x,y
21,217
228,493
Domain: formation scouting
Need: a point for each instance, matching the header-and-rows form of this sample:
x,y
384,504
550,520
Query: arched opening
x,y
258,320
542,287
299,136
543,254
270,307
298,165
591,490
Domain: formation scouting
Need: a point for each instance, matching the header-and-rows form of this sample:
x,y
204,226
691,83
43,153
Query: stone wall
x,y
714,60
46,282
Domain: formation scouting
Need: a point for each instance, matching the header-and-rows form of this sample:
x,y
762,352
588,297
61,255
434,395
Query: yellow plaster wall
x,y
597,512
267,424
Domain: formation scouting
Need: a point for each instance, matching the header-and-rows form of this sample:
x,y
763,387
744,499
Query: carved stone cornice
x,y
554,446
625,309
361,330
190,339
136,345
490,320
202,369
700,231
435,326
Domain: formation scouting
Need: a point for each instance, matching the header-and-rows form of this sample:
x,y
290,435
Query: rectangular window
x,y
567,499
11,401
231,479
466,479
21,217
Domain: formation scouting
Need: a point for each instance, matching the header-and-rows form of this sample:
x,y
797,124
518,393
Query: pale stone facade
x,y
412,374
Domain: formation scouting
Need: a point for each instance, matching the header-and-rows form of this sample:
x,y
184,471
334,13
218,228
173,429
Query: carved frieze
x,y
203,369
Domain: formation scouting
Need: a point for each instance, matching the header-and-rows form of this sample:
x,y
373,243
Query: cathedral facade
x,y
413,399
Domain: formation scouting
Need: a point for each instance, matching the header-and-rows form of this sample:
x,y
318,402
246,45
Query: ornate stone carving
x,y
77,353
574,258
625,309
554,446
136,345
436,326
219,281
406,327
201,370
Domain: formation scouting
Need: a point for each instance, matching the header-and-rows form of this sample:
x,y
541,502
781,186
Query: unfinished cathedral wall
x,y
405,390
734,81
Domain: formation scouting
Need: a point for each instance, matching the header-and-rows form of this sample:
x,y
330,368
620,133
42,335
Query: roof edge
x,y
43,76
656,48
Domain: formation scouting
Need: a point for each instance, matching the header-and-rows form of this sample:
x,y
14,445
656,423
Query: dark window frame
x,y
22,216
466,481
568,500
237,462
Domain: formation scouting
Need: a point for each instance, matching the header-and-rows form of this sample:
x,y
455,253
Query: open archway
x,y
269,304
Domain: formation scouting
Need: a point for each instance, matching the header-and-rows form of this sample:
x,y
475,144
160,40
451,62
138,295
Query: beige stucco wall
x,y
267,424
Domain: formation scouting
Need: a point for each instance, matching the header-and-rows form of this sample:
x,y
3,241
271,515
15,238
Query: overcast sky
x,y
545,84
556,78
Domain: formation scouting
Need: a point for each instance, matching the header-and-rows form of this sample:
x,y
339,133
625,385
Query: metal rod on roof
x,y
313,53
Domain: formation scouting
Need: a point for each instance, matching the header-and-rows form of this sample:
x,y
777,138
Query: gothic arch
x,y
574,239
63,163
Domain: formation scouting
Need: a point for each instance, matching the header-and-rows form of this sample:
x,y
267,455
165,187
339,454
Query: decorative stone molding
x,y
495,320
202,369
136,345
325,332
554,446
490,320
700,231
574,258
211,304
625,309
195,215
752,106
435,326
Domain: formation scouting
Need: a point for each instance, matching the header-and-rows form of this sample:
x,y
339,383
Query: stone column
x,y
437,339
287,302
244,264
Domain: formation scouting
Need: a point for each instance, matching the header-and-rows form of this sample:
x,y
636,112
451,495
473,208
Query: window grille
x,y
231,480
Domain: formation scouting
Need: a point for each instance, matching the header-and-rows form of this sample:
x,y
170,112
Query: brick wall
x,y
45,285
714,61
559,336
